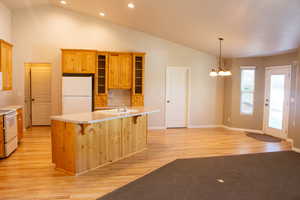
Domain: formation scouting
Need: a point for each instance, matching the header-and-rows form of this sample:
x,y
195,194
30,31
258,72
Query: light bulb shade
x,y
222,73
227,73
213,73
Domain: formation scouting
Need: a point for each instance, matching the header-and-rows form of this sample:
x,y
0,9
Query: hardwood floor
x,y
29,174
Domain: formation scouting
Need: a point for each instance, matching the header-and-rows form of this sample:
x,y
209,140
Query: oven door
x,y
10,126
10,133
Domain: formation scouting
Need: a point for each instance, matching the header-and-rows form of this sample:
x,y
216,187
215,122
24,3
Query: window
x,y
247,90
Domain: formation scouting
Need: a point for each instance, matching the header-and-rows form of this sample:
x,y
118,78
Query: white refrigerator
x,y
77,94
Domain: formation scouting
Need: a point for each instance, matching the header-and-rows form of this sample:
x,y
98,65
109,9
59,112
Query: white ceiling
x,y
250,27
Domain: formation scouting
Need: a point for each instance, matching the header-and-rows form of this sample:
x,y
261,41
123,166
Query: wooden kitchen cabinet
x,y
2,152
88,62
101,81
101,100
137,98
112,70
6,64
20,124
114,140
125,81
78,148
132,139
78,61
113,73
120,71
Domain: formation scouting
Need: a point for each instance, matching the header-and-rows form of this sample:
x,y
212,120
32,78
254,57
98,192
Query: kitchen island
x,y
85,141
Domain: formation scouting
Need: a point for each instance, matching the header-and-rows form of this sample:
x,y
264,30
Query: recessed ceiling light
x,y
131,5
63,2
102,14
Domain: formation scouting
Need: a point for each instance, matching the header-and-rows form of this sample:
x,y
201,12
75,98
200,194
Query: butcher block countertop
x,y
103,115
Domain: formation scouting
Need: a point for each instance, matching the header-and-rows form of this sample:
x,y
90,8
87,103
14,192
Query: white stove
x,y
10,131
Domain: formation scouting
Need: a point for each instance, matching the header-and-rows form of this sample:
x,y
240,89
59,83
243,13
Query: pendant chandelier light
x,y
220,71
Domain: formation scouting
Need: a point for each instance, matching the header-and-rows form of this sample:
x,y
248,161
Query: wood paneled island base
x,y
78,148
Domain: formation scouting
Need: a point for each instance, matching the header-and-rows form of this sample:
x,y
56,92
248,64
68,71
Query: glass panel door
x,y
276,101
277,94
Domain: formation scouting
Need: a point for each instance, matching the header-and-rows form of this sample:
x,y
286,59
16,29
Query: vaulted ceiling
x,y
250,27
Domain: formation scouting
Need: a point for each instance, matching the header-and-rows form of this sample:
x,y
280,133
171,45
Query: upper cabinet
x,y
120,71
113,75
6,64
79,61
126,71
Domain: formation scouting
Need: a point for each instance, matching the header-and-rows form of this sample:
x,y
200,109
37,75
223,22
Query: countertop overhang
x,y
100,116
8,109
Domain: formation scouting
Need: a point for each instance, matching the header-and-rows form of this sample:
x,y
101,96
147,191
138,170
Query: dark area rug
x,y
263,137
264,176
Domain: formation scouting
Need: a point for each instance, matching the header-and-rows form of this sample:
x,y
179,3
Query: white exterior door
x,y
277,95
41,94
176,97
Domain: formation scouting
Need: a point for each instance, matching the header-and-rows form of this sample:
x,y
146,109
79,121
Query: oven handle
x,y
8,117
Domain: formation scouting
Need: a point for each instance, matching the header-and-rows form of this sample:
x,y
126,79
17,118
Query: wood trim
x,y
88,50
7,43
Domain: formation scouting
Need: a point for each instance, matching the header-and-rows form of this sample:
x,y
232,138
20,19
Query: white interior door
x,y
176,97
41,95
277,95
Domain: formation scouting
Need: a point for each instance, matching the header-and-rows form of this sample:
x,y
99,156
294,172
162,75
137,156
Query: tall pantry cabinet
x,y
137,98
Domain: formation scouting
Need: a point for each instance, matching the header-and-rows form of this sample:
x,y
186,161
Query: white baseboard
x,y
205,126
189,126
290,140
156,127
293,147
243,129
296,149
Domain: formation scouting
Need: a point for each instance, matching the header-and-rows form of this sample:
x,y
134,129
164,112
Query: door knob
x,y
32,99
168,101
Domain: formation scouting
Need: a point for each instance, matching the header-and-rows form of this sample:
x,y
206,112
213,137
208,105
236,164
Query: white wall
x,y
39,33
6,97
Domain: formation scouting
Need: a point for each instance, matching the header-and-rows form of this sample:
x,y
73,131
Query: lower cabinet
x,y
1,138
137,100
79,148
100,100
115,140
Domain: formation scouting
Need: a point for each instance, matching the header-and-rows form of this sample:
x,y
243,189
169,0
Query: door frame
x,y
28,67
188,95
287,114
